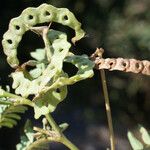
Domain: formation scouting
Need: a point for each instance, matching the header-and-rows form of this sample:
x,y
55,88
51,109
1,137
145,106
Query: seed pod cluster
x,y
121,64
46,81
34,16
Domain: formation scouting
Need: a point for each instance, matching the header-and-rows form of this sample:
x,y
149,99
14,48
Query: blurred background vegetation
x,y
122,28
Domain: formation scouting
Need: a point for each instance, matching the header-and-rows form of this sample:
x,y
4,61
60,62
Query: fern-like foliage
x,y
9,114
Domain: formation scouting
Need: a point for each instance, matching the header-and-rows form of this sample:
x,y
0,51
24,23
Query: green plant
x,y
47,82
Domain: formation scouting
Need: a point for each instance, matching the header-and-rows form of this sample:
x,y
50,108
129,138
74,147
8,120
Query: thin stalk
x,y
46,132
53,124
63,138
18,100
43,31
47,43
68,143
108,109
39,142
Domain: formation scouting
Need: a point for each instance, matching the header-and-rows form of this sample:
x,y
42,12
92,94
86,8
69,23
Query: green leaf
x,y
63,126
145,135
35,73
39,54
27,138
136,144
13,116
9,114
2,102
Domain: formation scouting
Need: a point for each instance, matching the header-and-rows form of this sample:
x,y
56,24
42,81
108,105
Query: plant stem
x,y
43,31
41,141
53,123
63,138
108,109
68,143
47,43
18,100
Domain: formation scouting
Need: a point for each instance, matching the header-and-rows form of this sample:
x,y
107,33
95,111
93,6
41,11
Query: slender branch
x,y
43,31
53,123
17,100
63,139
68,143
98,54
47,42
108,109
47,132
42,141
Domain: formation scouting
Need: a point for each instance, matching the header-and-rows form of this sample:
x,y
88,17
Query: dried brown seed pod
x,y
121,64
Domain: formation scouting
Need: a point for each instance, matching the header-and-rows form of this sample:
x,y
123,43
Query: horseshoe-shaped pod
x,y
34,16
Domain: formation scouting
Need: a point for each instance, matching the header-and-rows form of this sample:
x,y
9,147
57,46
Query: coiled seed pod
x,y
17,26
47,13
121,64
34,16
30,16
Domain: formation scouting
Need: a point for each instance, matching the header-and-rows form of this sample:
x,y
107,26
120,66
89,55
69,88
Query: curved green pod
x,y
30,17
85,70
17,26
47,13
34,16
9,43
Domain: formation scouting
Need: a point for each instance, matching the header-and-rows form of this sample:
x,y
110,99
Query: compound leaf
x,y
9,114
